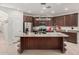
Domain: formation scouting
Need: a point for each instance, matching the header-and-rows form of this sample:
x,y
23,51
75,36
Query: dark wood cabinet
x,y
42,43
59,20
66,20
71,20
72,37
74,19
45,22
36,22
27,18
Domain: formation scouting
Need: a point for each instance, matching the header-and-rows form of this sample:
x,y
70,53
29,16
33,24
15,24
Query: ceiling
x,y
36,9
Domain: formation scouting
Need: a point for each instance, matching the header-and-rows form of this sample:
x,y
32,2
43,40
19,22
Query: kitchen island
x,y
51,40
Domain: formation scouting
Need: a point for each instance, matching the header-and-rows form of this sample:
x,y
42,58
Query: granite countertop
x,y
50,34
72,31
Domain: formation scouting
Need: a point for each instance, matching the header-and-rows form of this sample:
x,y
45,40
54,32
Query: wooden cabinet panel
x,y
53,20
74,19
28,18
72,37
71,20
36,23
66,20
46,22
56,43
59,20
41,42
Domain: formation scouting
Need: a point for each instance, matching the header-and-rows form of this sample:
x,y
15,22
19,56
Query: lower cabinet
x,y
72,37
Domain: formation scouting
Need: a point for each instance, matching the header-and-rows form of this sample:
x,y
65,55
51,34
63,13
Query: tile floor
x,y
11,49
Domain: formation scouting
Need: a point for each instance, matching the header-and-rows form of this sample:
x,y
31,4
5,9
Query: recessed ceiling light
x,y
44,8
66,9
52,12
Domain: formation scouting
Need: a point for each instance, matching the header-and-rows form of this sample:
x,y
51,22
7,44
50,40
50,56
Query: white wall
x,y
15,24
3,17
5,30
0,26
3,24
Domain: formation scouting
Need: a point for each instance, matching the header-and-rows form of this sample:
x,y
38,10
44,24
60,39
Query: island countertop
x,y
48,34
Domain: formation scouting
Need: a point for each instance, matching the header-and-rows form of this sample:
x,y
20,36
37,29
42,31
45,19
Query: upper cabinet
x,y
71,20
44,21
67,20
28,18
59,20
64,20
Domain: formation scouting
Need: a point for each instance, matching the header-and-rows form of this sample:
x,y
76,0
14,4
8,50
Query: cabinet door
x,y
53,21
72,37
67,20
71,20
36,22
27,18
60,20
74,19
